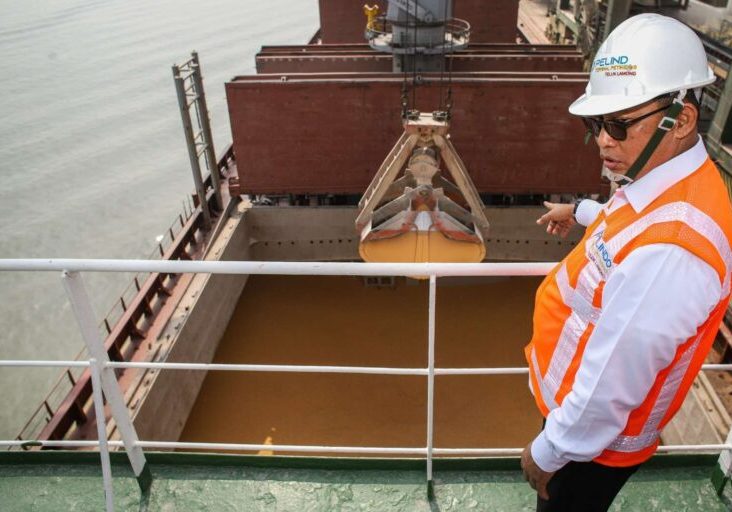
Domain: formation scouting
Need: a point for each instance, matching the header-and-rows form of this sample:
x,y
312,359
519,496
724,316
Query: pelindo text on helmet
x,y
609,61
615,66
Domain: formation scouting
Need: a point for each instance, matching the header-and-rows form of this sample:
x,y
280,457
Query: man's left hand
x,y
537,477
559,218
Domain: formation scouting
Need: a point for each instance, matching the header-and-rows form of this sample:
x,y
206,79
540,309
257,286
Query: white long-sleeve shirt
x,y
654,301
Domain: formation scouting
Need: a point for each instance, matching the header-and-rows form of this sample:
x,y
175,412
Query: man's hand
x,y
559,219
537,478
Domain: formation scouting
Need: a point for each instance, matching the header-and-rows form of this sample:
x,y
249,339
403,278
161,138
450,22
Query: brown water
x,y
338,321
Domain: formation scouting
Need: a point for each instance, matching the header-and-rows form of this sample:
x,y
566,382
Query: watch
x,y
577,202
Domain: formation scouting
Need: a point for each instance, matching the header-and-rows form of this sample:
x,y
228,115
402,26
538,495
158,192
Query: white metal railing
x,y
104,380
278,267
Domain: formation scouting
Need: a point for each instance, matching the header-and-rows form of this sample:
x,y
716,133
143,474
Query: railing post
x,y
102,434
431,383
721,473
84,313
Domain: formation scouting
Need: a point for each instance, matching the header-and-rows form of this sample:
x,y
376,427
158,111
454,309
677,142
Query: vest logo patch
x,y
598,254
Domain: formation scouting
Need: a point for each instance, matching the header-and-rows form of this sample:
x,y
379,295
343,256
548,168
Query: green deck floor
x,y
62,481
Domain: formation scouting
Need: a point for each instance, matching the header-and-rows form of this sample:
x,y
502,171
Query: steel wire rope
x,y
444,57
405,89
414,55
448,100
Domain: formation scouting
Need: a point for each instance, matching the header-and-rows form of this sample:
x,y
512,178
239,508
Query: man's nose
x,y
604,140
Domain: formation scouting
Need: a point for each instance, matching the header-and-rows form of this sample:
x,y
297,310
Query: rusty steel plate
x,y
328,133
363,62
512,47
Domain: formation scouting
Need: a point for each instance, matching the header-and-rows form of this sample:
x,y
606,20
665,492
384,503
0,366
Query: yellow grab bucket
x,y
421,247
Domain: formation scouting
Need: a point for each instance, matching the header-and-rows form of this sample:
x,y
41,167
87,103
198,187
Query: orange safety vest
x,y
695,214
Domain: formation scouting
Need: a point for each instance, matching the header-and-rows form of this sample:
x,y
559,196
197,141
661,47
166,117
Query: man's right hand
x,y
559,219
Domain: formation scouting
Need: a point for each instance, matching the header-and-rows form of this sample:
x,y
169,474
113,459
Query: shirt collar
x,y
644,191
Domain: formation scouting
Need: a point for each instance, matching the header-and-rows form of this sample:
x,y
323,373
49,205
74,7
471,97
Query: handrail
x,y
378,370
277,267
104,377
179,445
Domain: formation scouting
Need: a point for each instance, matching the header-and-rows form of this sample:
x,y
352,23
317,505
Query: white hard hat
x,y
644,57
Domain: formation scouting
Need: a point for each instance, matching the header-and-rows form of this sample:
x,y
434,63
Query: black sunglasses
x,y
616,128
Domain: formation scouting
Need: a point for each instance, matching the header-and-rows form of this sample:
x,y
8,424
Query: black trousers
x,y
584,487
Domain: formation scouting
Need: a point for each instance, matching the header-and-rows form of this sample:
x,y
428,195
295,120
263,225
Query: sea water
x,y
93,162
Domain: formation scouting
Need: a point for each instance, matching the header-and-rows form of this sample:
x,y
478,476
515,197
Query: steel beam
x,y
203,119
185,115
568,22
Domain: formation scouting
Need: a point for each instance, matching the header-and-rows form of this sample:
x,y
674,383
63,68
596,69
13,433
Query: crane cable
x,y
448,100
414,56
407,108
405,90
442,65
445,99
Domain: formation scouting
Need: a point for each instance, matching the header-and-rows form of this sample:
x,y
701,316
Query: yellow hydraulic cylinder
x,y
371,13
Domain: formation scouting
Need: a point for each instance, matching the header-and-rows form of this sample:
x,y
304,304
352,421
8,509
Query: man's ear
x,y
686,121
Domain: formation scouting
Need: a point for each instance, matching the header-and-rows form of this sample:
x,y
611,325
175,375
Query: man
x,y
623,323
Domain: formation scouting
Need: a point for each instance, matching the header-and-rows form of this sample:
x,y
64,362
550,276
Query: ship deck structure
x,y
307,381
49,481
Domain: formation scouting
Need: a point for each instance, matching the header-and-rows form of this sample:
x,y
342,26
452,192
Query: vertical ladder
x,y
189,88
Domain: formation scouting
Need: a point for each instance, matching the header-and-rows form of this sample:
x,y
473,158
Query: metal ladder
x,y
189,88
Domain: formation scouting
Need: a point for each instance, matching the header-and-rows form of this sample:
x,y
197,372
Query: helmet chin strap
x,y
666,124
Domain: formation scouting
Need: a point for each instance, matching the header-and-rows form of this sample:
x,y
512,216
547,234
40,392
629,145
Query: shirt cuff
x,y
587,212
544,456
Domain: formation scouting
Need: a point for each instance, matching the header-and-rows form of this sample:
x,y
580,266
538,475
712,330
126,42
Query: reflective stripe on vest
x,y
651,432
690,215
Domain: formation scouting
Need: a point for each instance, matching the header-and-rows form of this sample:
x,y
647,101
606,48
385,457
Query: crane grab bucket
x,y
417,214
